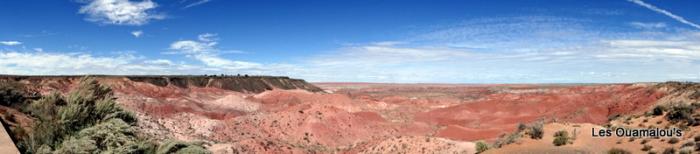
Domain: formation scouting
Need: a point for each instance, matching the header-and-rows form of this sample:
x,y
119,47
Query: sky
x,y
397,41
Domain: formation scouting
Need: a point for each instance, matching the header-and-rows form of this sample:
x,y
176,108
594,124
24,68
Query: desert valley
x,y
261,114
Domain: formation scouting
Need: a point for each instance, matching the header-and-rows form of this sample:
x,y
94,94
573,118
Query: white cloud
x,y
519,49
383,53
644,25
159,62
56,63
204,50
10,43
656,49
664,12
137,33
61,63
120,12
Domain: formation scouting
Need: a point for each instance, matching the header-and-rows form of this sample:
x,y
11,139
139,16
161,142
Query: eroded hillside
x,y
282,115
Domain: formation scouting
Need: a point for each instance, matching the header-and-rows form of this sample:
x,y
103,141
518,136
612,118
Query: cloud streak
x,y
10,43
664,12
199,2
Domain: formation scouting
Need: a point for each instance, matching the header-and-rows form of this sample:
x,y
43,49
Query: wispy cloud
x,y
120,12
516,49
648,25
10,43
664,12
685,47
137,33
204,50
195,3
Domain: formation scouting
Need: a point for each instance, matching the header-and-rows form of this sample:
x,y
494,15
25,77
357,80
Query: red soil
x,y
364,117
500,112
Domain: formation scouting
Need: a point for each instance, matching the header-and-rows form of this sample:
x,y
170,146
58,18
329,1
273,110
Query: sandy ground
x,y
6,144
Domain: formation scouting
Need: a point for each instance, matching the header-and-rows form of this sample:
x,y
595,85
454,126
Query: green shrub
x,y
481,146
536,130
658,110
87,120
673,140
177,147
506,139
644,141
561,138
618,151
63,121
670,150
680,112
686,150
521,127
113,136
11,93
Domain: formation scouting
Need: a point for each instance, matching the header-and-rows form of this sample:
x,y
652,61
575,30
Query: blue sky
x,y
536,41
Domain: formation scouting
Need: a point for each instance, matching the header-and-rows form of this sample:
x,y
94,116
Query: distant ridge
x,y
239,83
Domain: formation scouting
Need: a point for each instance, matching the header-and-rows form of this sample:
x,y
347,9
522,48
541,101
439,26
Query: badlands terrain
x,y
261,114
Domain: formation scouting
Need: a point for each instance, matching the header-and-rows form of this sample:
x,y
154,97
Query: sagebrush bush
x,y
680,112
673,140
11,93
180,147
670,150
536,130
481,146
87,120
618,151
658,110
561,138
506,139
521,127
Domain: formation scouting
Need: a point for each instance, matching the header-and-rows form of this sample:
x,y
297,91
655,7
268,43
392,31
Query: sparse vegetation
x,y
646,148
536,130
506,139
11,93
521,127
644,141
180,147
658,110
670,150
686,150
561,138
680,112
481,146
87,120
673,140
618,151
